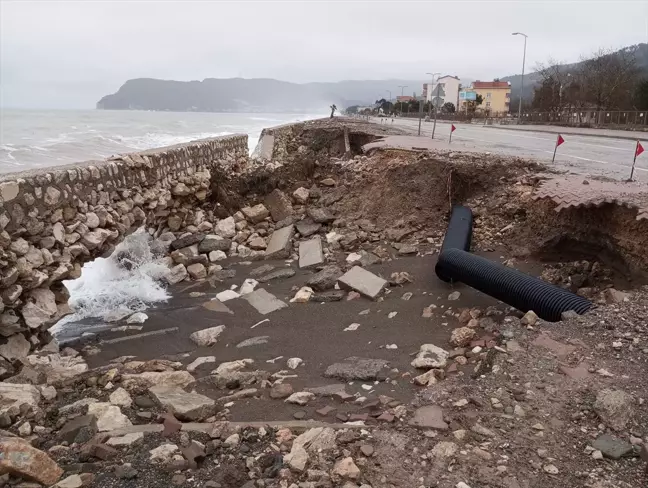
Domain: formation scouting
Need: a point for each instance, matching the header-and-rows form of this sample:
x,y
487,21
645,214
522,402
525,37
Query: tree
x,y
609,79
448,108
640,99
333,109
353,109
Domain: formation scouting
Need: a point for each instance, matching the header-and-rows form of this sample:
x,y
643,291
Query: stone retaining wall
x,y
55,219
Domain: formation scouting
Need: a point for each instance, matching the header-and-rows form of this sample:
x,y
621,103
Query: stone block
x,y
263,301
362,281
280,243
279,205
311,253
191,407
255,214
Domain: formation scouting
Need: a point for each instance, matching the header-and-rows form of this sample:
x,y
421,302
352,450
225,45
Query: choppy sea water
x,y
32,139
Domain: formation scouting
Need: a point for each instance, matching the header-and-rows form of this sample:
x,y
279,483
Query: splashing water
x,y
127,281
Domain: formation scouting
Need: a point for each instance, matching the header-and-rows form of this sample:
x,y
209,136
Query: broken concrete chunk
x,y
362,281
279,205
263,301
207,337
311,253
191,407
354,368
307,227
280,243
430,417
109,417
430,356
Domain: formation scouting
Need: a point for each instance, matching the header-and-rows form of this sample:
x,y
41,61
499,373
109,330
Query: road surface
x,y
587,155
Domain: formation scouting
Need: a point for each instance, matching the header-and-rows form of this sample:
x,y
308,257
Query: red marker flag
x,y
452,129
559,141
638,150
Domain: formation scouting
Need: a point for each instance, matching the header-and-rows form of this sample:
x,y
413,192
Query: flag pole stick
x,y
633,163
450,136
554,154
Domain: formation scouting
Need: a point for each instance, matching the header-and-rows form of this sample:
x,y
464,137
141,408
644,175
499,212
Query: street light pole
x,y
432,101
522,78
402,87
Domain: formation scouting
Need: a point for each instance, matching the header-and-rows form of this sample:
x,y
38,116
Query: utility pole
x,y
522,78
402,87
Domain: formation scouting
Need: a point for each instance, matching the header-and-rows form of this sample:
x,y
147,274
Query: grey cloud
x,y
69,54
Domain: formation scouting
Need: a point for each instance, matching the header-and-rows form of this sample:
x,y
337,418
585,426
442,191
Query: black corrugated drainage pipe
x,y
459,233
510,286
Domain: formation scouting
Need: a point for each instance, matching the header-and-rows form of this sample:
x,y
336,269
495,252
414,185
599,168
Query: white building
x,y
448,90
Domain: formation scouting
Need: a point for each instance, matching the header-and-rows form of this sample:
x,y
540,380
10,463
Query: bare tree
x,y
608,79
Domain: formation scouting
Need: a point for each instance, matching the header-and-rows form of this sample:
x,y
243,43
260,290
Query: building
x,y
446,88
404,98
496,96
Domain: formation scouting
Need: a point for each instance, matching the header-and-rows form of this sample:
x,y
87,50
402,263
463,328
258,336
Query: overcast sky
x,y
69,54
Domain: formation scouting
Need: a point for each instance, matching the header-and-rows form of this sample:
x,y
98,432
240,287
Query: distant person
x,y
333,109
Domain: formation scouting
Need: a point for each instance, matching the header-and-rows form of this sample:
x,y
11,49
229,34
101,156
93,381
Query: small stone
x,y
121,398
612,447
614,407
346,469
207,337
462,336
550,468
281,390
300,398
367,450
454,296
233,440
126,471
293,363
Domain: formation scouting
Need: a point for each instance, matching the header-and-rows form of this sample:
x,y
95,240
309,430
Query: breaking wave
x,y
127,281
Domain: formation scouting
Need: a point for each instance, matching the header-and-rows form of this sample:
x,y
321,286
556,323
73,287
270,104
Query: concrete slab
x,y
263,301
311,253
280,243
362,281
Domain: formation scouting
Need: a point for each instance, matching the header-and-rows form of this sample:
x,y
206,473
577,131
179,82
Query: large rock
x,y
56,367
190,407
615,407
318,439
325,279
612,447
279,205
280,243
214,243
362,281
197,271
15,347
186,241
255,214
176,274
16,394
207,337
226,228
301,195
170,379
320,215
355,368
109,417
307,227
80,429
20,459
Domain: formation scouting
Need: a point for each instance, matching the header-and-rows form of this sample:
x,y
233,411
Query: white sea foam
x,y
106,285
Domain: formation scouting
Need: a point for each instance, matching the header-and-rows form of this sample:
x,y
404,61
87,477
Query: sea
x,y
42,138
34,139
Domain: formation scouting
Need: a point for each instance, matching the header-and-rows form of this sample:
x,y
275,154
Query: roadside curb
x,y
546,131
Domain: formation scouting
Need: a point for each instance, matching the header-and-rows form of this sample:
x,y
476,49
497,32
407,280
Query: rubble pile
x,y
404,381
